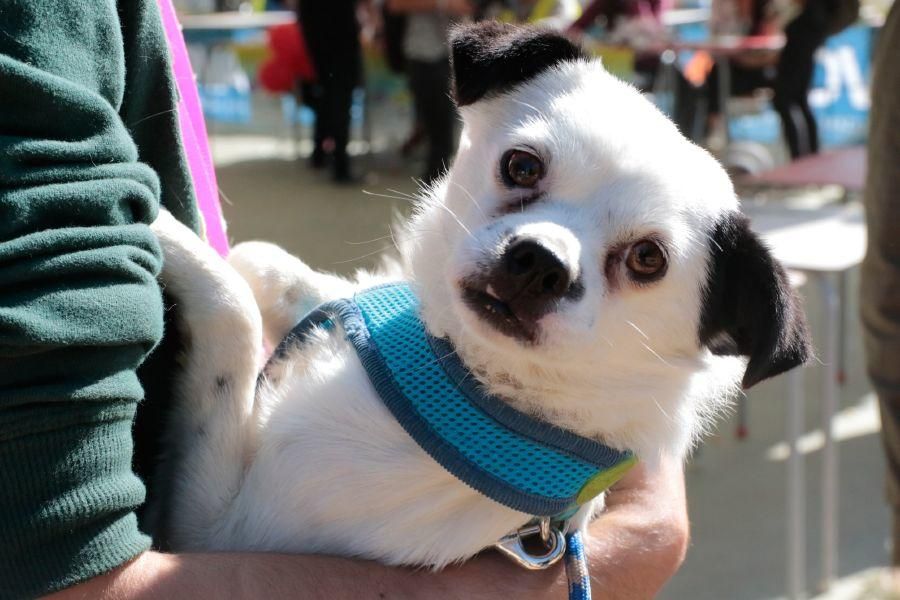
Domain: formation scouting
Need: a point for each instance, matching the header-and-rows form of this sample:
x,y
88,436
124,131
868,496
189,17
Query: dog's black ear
x,y
491,57
749,308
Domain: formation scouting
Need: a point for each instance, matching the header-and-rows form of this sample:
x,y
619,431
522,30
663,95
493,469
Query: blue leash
x,y
577,568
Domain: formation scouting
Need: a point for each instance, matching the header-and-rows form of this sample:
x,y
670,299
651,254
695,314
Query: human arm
x,y
79,303
634,547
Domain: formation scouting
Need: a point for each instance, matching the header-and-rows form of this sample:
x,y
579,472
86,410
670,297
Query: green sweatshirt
x,y
89,147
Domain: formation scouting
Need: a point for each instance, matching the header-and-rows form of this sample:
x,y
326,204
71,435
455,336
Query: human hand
x,y
633,548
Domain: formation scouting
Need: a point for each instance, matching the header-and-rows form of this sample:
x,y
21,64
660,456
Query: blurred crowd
x,y
412,35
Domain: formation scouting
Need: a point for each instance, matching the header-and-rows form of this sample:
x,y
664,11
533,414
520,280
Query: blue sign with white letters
x,y
838,97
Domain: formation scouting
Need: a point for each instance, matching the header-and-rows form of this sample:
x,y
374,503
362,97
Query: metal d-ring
x,y
512,545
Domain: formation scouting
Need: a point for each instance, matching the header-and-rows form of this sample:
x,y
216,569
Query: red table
x,y
845,167
731,45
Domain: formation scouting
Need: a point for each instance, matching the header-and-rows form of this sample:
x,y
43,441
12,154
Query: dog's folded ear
x,y
749,308
490,58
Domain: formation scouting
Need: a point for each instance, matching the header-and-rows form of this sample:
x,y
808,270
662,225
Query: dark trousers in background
x,y
331,31
331,100
803,36
880,285
429,83
694,105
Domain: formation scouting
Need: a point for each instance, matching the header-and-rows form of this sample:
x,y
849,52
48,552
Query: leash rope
x,y
577,568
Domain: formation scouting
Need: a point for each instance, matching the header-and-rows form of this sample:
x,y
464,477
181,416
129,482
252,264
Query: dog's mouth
x,y
497,313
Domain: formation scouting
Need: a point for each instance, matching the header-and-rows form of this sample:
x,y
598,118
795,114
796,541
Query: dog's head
x,y
580,240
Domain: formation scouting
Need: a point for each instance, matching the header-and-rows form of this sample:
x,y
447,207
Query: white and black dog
x,y
588,264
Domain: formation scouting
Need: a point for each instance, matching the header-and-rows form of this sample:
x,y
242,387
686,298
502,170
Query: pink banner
x,y
193,133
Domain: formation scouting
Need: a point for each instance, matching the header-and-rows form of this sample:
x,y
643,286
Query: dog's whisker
x,y
366,255
638,329
404,194
225,197
654,353
708,237
471,197
461,381
390,236
607,340
437,360
372,241
369,193
669,419
394,240
526,105
460,223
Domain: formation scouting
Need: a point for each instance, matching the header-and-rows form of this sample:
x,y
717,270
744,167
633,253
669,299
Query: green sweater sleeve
x,y
87,133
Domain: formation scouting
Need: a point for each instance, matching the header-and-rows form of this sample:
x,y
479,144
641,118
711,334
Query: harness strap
x,y
528,465
513,458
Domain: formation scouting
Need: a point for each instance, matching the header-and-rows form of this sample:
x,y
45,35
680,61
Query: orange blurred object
x,y
698,68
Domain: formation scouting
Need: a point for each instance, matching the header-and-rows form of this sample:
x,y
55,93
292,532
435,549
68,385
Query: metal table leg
x,y
724,92
843,289
796,502
832,300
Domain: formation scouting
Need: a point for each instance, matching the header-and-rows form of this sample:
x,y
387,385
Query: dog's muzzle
x,y
525,283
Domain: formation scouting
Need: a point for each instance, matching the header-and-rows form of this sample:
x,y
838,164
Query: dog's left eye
x,y
646,261
521,169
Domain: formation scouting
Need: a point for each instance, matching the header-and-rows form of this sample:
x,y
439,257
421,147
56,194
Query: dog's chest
x,y
335,473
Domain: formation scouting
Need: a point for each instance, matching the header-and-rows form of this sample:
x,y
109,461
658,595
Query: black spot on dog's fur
x,y
293,294
749,308
490,58
223,382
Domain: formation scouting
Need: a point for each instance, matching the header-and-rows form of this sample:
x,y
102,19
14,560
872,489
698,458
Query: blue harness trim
x,y
510,457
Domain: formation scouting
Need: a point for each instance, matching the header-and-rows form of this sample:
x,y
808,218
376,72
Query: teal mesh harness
x,y
510,457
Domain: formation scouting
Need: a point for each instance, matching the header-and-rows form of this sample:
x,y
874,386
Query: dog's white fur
x,y
313,462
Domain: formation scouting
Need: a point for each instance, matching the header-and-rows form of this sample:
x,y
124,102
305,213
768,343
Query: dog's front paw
x,y
214,302
285,287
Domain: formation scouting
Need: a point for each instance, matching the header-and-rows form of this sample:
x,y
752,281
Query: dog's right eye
x,y
519,168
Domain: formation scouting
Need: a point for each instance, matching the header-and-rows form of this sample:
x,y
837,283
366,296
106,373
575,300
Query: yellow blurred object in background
x,y
618,60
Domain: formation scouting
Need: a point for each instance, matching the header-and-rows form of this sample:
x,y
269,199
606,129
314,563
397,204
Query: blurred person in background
x,y
613,11
331,31
805,34
547,13
748,72
426,57
636,24
880,282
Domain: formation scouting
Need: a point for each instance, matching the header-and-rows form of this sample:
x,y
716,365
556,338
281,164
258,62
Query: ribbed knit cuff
x,y
66,502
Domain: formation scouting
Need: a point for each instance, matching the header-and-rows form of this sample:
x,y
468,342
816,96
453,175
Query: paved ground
x,y
736,487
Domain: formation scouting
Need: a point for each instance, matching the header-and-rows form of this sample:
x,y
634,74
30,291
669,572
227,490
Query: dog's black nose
x,y
530,279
